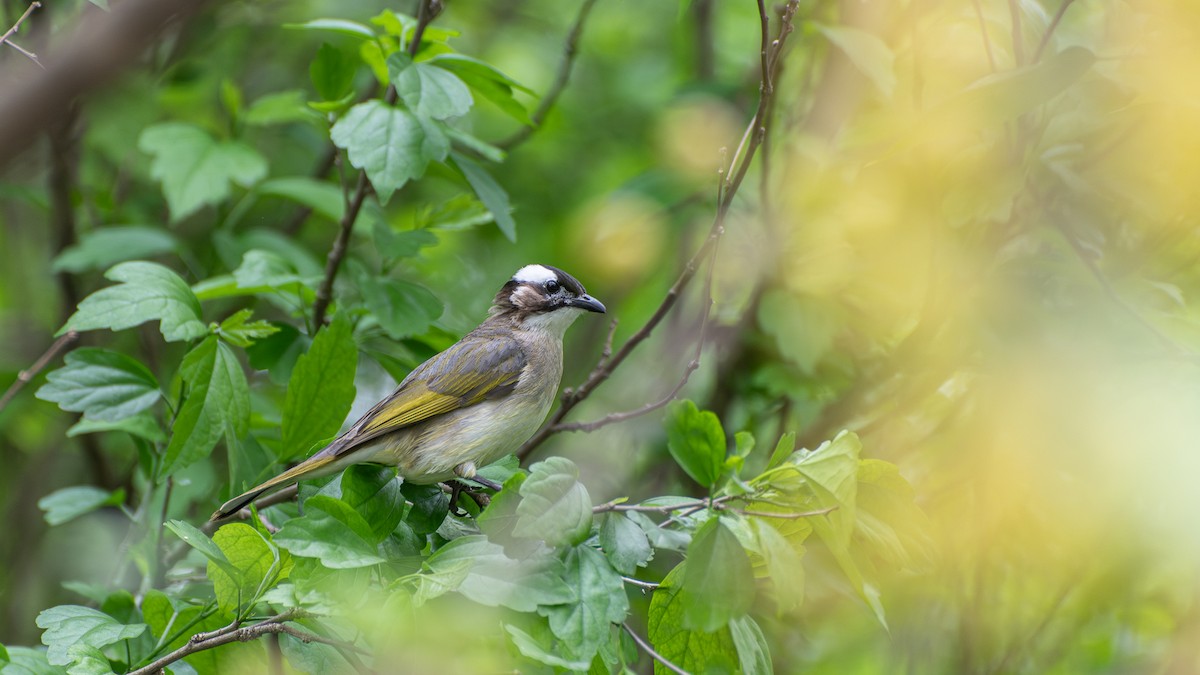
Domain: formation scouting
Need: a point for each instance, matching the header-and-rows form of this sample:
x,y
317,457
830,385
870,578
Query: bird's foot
x,y
458,488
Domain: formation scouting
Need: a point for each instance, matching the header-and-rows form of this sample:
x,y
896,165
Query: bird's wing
x,y
472,370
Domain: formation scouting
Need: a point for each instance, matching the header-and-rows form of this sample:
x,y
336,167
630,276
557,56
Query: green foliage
x,y
718,582
555,506
696,441
195,169
320,390
103,385
69,503
147,292
391,144
68,628
216,401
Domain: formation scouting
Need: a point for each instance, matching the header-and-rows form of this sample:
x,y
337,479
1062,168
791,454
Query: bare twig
x,y
1058,16
26,376
15,27
733,181
287,494
570,51
648,585
426,13
233,633
650,650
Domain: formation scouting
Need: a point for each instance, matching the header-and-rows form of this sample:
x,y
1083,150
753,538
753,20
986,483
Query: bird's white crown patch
x,y
534,274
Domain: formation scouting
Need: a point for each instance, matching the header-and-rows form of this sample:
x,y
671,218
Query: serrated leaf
x,y
692,650
320,196
531,648
331,531
321,389
69,625
495,579
147,292
218,400
696,441
490,193
239,331
488,82
194,168
103,385
831,472
402,308
391,144
584,624
69,503
193,537
106,246
718,582
555,507
265,270
624,543
142,425
427,90
257,563
374,492
429,507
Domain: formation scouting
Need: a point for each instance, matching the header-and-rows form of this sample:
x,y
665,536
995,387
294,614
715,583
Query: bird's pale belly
x,y
482,433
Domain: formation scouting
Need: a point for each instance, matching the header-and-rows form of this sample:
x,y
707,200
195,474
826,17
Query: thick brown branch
x,y
570,51
26,376
734,178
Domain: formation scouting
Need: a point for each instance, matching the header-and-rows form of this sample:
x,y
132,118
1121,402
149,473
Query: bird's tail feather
x,y
311,468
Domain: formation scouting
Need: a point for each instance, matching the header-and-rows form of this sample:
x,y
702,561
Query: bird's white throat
x,y
553,323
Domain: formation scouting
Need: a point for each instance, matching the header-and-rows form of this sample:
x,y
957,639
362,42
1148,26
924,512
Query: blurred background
x,y
971,237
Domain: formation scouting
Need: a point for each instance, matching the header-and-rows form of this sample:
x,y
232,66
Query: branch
x,y
26,376
570,51
650,650
15,27
425,13
751,141
232,633
1058,16
96,51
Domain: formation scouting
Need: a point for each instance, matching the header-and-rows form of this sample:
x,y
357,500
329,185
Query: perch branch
x,y
26,376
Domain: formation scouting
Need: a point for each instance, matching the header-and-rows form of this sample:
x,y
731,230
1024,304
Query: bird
x,y
467,406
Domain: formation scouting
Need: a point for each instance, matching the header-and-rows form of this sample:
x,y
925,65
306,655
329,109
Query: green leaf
x,y
783,449
495,579
331,531
318,195
279,353
240,332
696,441
718,583
531,648
427,90
332,72
193,537
70,503
490,193
281,107
148,291
103,385
624,543
142,425
106,246
374,492
405,244
584,624
313,657
27,661
841,553
887,515
403,309
802,329
391,144
692,650
831,472
343,26
321,389
555,506
265,271
784,566
257,563
754,654
218,400
195,169
867,52
488,82
69,625
429,507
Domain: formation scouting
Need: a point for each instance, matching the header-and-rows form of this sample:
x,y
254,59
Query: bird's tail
x,y
310,468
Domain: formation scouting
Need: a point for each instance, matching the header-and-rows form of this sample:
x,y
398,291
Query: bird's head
x,y
541,296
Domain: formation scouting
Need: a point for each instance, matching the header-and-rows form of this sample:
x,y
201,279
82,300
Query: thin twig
x,y
785,516
15,27
648,585
650,650
570,51
337,252
26,376
1058,16
604,369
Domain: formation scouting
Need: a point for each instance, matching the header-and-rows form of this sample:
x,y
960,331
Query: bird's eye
x,y
551,286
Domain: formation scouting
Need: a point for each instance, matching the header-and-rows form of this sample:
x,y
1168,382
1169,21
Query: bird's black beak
x,y
587,302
